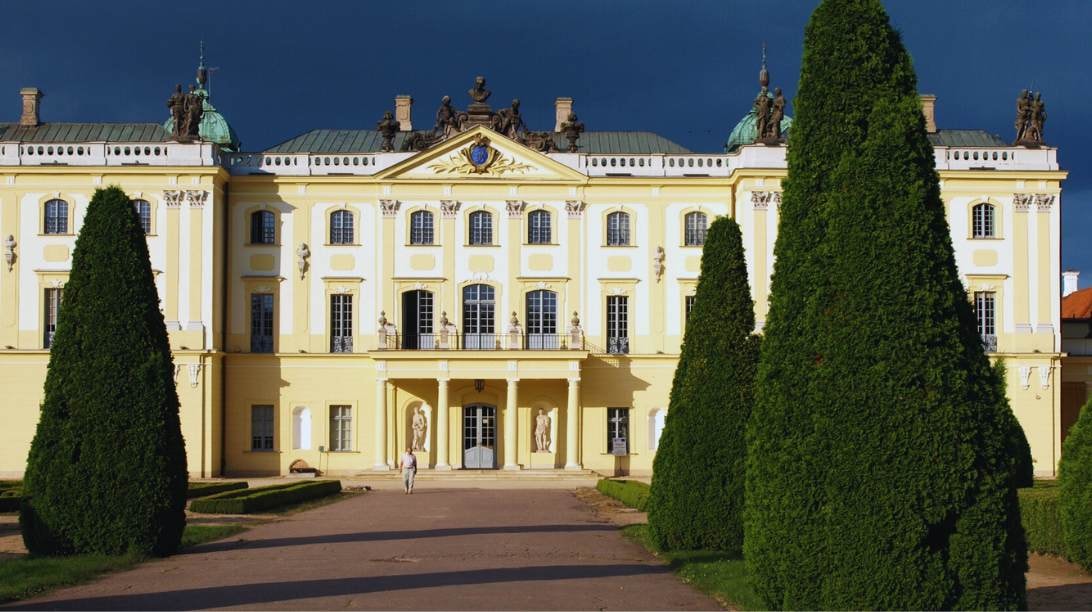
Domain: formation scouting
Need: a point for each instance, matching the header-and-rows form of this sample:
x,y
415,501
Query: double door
x,y
480,437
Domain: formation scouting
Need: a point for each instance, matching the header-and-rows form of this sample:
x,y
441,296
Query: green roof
x,y
84,132
369,141
966,138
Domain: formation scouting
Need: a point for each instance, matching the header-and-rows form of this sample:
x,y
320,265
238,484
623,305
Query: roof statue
x,y
194,118
572,128
388,128
766,123
1030,117
478,93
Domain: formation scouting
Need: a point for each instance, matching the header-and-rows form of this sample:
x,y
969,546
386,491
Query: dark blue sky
x,y
684,69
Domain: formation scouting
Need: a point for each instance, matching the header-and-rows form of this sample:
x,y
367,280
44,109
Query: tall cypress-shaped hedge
x,y
1075,476
107,467
697,485
880,473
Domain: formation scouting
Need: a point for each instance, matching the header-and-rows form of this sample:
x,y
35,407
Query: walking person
x,y
409,470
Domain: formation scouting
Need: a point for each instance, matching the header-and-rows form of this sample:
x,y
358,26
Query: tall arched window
x,y
341,227
263,227
420,227
481,227
982,223
56,217
618,229
542,320
144,212
538,227
696,224
479,314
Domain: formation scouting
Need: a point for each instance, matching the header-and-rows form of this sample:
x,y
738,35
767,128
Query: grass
x,y
25,577
718,575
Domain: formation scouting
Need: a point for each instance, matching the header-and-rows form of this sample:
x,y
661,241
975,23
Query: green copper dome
x,y
746,133
214,127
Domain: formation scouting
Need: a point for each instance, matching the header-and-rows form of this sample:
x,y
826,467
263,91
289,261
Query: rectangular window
x,y
56,217
341,323
689,305
341,428
618,229
421,227
52,314
618,431
984,309
341,227
617,324
144,212
538,227
481,227
261,323
261,428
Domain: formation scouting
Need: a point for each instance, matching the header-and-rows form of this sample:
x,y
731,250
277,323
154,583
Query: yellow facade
x,y
338,379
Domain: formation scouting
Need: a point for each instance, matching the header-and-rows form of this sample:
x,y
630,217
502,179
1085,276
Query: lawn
x,y
718,575
25,577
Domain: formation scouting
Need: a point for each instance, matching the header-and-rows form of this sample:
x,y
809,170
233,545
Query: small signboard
x,y
618,447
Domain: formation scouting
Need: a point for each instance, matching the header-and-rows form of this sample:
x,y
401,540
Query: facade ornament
x,y
515,333
769,109
658,265
177,106
1044,377
449,208
513,323
575,208
777,199
302,255
173,197
177,371
507,121
1044,202
196,198
479,158
9,251
1030,117
1022,201
515,208
542,432
761,199
444,322
574,323
195,372
387,128
187,110
572,128
382,319
389,208
420,429
478,93
1025,377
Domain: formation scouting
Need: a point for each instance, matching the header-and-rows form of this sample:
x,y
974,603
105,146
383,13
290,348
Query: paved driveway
x,y
437,549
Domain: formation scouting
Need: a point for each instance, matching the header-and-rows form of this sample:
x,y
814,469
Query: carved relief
x,y
1025,377
449,208
478,159
1044,202
1044,377
761,199
389,208
173,197
575,208
1022,201
658,263
515,208
302,255
196,197
195,372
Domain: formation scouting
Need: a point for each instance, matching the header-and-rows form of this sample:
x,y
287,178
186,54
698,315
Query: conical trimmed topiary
x,y
879,471
696,500
1075,476
107,467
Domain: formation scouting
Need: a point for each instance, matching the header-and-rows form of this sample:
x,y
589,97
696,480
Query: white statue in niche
x,y
420,429
542,432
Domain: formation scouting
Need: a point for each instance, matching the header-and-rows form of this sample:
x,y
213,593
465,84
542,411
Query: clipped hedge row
x,y
205,489
9,500
630,492
246,501
1040,513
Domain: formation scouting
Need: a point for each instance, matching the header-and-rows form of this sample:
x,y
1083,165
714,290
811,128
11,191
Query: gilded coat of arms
x,y
479,158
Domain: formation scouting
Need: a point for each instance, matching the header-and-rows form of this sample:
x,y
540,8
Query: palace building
x,y
498,296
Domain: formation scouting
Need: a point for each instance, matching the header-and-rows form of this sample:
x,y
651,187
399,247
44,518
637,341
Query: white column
x,y
510,409
572,425
441,426
380,421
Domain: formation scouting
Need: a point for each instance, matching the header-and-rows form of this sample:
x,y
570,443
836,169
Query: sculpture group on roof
x,y
507,121
769,110
186,111
1030,117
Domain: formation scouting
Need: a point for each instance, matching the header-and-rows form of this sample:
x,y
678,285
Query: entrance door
x,y
480,437
542,320
417,320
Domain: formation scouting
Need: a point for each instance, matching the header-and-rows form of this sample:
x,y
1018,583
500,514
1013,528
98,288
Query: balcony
x,y
573,341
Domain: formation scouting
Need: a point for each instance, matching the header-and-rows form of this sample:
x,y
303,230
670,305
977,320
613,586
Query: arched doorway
x,y
480,437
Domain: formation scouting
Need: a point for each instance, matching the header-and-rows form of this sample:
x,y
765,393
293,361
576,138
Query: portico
x,y
479,410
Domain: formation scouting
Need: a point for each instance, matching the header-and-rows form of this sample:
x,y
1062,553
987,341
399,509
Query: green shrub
x,y
1075,485
630,492
106,471
1041,517
880,472
204,489
264,498
696,500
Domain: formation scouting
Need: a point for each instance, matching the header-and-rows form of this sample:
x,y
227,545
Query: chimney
x,y
563,106
929,109
403,111
1069,281
31,96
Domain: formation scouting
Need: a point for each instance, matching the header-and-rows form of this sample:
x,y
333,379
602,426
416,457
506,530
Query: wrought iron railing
x,y
482,342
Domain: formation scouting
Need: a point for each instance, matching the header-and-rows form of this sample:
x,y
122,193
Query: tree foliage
x,y
1075,480
879,472
107,467
697,485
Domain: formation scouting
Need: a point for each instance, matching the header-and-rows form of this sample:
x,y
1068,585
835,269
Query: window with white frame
x,y
617,324
56,217
144,213
618,229
542,320
261,428
341,323
618,428
261,323
982,221
263,227
690,299
53,296
341,428
421,227
341,227
696,225
538,227
481,227
985,311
